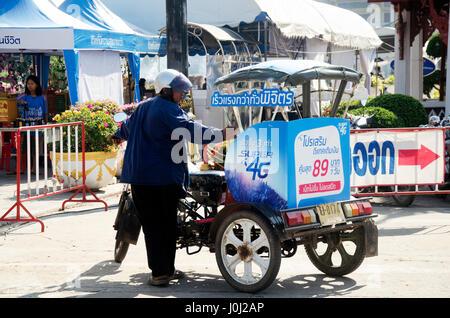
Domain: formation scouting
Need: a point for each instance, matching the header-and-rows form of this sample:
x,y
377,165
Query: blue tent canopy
x,y
27,26
96,14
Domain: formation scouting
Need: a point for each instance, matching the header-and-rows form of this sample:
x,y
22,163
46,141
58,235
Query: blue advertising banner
x,y
291,164
87,39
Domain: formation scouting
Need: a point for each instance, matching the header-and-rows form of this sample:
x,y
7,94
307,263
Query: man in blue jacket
x,y
158,179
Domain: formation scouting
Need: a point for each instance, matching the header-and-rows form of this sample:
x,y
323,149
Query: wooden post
x,y
177,40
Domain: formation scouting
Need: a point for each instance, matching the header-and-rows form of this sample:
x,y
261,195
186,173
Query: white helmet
x,y
172,79
434,120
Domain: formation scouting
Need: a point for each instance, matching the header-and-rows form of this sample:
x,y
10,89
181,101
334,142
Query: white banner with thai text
x,y
36,39
397,157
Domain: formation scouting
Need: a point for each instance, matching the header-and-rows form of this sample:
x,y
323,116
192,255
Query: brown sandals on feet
x,y
159,281
164,280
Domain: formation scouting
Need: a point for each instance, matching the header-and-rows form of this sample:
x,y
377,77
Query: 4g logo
x,y
257,169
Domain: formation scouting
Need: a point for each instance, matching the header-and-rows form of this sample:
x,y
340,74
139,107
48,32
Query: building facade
x,y
379,15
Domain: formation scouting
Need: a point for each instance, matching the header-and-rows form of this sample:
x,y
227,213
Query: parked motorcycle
x,y
360,122
446,123
433,122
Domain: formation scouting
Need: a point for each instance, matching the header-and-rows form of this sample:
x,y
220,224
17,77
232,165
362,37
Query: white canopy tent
x,y
327,29
305,18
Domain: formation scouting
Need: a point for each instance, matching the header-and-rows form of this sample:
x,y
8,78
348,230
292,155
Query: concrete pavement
x,y
73,257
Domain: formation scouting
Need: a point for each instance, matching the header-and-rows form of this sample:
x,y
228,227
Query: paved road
x,y
74,258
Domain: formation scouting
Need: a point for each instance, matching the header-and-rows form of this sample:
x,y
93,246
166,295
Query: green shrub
x,y
382,118
354,104
409,109
431,81
434,47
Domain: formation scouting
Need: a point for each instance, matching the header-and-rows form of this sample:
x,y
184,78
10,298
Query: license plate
x,y
330,213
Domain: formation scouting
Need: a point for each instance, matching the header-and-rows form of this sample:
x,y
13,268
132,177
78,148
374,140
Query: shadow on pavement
x,y
317,285
99,282
400,231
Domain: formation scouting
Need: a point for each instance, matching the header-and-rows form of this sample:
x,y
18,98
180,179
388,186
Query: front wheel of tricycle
x,y
248,251
338,253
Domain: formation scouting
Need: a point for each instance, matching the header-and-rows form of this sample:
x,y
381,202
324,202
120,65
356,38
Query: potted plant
x,y
100,153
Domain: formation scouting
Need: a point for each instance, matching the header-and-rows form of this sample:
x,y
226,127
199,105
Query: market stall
x,y
96,14
29,27
90,52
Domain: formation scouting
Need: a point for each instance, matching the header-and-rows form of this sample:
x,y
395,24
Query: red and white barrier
x,y
398,161
54,184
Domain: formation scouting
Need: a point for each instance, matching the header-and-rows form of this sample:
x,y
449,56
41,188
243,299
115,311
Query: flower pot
x,y
100,168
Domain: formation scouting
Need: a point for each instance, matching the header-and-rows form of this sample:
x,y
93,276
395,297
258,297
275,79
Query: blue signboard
x,y
291,164
428,66
265,97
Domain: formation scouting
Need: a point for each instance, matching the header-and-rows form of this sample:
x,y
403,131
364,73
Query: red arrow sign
x,y
414,157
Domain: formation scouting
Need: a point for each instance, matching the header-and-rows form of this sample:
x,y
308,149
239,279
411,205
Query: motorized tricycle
x,y
249,239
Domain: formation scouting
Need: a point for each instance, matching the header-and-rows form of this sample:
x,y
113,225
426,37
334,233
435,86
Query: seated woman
x,y
32,105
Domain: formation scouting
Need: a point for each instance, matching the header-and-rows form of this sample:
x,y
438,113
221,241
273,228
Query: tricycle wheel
x,y
404,200
243,240
338,253
120,250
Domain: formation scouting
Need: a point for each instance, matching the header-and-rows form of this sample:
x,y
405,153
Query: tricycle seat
x,y
208,177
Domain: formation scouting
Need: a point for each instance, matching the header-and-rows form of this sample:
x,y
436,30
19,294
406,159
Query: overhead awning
x,y
219,33
208,39
294,18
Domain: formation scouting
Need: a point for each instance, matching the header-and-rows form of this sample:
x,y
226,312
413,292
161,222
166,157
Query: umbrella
x,y
291,72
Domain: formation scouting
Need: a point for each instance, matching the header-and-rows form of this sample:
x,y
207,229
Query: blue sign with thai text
x,y
291,164
266,97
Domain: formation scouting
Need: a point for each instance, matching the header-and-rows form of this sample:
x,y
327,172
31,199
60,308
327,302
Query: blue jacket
x,y
148,131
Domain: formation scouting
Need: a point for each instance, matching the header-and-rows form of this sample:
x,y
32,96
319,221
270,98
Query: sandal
x,y
159,281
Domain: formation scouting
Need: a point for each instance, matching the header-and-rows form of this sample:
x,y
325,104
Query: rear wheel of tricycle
x,y
248,251
338,253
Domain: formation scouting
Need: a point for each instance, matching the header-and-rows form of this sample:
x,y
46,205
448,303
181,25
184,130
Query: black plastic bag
x,y
127,224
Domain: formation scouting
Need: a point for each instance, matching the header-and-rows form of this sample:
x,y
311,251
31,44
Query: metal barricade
x,y
58,182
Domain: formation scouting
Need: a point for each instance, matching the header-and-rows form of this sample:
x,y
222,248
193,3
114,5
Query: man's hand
x,y
117,141
229,133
